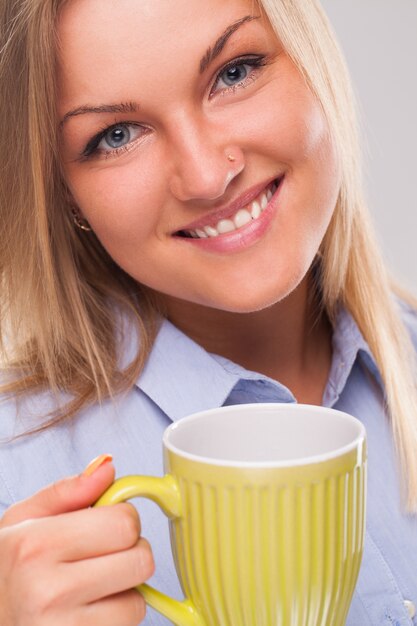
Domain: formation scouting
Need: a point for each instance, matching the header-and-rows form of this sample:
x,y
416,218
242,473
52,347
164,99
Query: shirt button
x,y
410,607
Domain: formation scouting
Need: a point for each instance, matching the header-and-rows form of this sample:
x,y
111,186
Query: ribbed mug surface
x,y
270,547
267,514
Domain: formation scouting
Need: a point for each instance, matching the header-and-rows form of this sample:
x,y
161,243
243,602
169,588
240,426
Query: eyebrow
x,y
123,107
132,107
213,52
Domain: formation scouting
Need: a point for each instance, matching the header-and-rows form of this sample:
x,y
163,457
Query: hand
x,y
62,563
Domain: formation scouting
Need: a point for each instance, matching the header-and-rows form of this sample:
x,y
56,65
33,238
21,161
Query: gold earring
x,y
81,223
231,157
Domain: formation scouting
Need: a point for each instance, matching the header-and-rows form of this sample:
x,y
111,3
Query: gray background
x,y
379,38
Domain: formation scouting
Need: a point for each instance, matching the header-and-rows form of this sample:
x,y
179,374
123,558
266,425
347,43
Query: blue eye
x,y
112,140
238,73
235,74
116,137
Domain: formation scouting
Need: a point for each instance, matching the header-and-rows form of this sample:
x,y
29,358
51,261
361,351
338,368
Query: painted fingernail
x,y
96,463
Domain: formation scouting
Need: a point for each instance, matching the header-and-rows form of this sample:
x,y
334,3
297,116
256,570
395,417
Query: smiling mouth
x,y
238,220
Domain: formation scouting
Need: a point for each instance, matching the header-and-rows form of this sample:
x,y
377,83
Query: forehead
x,y
121,26
92,15
103,40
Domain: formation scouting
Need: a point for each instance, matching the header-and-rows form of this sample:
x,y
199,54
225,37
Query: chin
x,y
254,299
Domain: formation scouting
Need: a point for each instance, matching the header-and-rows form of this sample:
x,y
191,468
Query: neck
x,y
290,341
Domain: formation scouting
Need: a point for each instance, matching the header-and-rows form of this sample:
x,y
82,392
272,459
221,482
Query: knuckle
x,y
128,525
138,606
22,569
55,492
25,543
37,599
43,596
146,563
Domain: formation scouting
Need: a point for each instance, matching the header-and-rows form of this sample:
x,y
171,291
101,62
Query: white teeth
x,y
241,218
225,226
211,232
255,210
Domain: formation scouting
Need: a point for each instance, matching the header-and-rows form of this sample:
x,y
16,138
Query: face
x,y
194,148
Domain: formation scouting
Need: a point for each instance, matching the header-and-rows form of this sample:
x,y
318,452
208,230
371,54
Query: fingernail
x,y
96,463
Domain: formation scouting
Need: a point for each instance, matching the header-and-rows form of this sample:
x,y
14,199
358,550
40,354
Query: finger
x,y
124,609
111,574
93,532
69,494
100,531
76,536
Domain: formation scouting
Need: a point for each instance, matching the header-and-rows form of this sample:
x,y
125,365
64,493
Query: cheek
x,y
118,202
284,118
298,133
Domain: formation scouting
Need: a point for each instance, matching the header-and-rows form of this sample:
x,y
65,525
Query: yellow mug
x,y
267,514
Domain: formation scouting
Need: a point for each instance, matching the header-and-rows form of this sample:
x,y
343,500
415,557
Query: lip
x,y
242,201
242,238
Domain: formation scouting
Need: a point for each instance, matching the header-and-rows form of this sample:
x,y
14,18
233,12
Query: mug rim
x,y
297,462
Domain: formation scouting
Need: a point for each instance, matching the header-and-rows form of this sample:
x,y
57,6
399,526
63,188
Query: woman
x,y
186,230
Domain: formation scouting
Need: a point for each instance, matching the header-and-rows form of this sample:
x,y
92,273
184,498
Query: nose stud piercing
x,y
235,169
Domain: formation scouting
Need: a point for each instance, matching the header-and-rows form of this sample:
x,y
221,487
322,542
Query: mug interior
x,y
264,433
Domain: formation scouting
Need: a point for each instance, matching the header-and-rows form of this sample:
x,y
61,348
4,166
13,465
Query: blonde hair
x,y
60,289
353,273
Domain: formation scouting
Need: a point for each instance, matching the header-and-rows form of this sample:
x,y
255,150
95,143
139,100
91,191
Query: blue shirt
x,y
181,378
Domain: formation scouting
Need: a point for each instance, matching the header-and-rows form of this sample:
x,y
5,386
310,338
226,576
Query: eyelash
x,y
255,63
92,150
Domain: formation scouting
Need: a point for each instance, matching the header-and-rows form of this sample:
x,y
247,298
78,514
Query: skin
x,y
175,170
63,563
251,305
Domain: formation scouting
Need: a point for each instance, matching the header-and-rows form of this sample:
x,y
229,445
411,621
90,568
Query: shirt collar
x,y
182,378
348,345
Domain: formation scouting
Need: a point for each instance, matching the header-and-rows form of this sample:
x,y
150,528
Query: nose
x,y
203,164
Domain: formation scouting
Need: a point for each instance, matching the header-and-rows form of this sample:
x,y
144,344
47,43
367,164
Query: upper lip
x,y
248,196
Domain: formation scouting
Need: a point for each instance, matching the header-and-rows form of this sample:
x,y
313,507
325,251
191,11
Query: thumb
x,y
68,494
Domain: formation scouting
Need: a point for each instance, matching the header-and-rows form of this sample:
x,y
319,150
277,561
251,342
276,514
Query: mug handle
x,y
165,492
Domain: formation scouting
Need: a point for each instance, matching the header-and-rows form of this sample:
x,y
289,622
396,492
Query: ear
x,y
77,216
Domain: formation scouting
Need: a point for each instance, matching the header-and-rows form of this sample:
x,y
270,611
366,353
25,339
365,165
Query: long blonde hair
x,y
60,290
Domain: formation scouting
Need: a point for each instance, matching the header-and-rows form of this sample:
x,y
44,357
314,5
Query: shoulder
x,y
128,426
24,461
21,413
